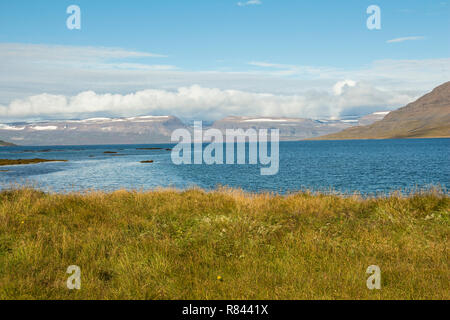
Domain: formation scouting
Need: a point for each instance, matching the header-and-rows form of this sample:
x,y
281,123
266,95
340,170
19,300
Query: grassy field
x,y
224,244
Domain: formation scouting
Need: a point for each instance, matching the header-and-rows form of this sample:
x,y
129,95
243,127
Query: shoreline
x,y
435,190
21,162
172,143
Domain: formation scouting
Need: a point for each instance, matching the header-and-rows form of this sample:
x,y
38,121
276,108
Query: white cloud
x,y
46,81
405,39
249,3
209,103
339,87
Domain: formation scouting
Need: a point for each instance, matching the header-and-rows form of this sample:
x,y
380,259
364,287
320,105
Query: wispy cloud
x,y
249,3
268,65
63,52
45,81
404,74
405,39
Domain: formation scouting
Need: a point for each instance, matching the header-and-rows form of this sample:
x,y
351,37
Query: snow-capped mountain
x,y
135,130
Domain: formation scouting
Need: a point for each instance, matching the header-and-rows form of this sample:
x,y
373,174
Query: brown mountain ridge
x,y
5,144
427,117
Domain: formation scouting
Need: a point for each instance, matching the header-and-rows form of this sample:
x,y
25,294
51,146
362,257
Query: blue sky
x,y
196,34
271,47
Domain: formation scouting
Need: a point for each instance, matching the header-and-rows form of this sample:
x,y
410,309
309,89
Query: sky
x,y
207,59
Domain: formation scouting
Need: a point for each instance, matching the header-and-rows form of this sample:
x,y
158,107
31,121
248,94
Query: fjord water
x,y
364,166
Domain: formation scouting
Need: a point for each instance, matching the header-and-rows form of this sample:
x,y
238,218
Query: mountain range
x,y
158,129
427,117
289,128
93,131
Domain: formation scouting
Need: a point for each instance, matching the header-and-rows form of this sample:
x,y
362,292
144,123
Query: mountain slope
x,y
5,144
428,117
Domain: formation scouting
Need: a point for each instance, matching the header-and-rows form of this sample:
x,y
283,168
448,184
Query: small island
x,y
14,162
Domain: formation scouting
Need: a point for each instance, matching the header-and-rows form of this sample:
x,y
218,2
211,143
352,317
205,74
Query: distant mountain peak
x,y
289,128
131,130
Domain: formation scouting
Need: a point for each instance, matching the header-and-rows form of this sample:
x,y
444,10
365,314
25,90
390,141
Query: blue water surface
x,y
364,166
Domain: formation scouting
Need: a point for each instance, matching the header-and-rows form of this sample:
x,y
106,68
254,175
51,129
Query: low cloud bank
x,y
197,102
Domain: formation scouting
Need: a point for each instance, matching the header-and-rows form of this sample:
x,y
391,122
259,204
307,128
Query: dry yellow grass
x,y
225,244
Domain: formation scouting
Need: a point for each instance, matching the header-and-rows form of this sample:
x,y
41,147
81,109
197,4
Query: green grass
x,y
170,244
